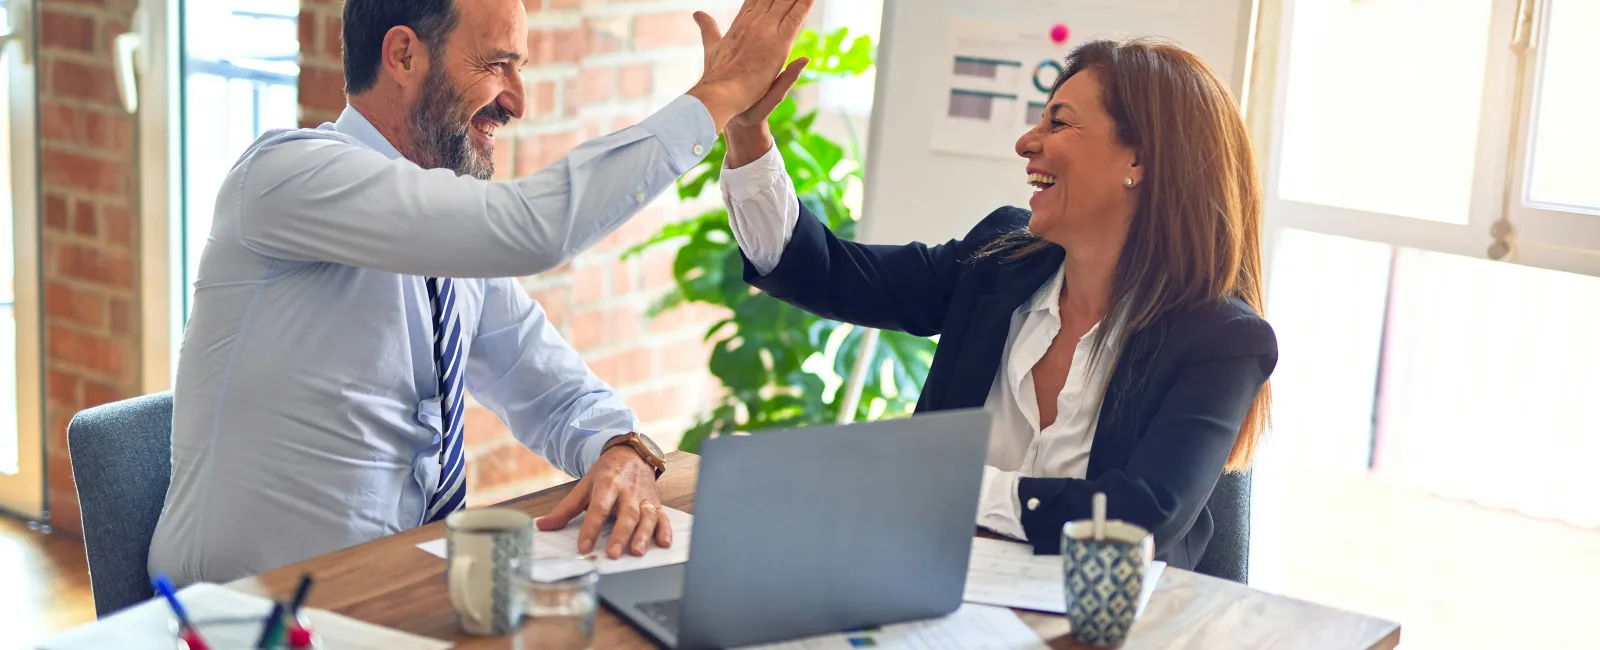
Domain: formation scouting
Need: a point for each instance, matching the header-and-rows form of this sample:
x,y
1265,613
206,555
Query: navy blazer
x,y
1173,408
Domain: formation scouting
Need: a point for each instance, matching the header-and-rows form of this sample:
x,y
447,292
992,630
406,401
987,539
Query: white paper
x,y
148,626
556,552
972,627
997,80
1010,575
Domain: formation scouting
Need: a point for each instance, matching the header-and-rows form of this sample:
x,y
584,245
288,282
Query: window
x,y
21,406
214,75
852,96
1432,404
240,80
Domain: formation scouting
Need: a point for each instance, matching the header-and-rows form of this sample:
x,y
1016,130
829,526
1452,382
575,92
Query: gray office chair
x,y
122,463
1227,556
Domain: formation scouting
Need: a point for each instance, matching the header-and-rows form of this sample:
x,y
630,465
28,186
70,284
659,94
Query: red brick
x,y
484,428
83,219
589,284
110,29
309,44
556,45
621,122
111,269
662,404
59,31
571,97
688,318
542,99
634,81
597,85
91,82
59,415
71,305
504,466
657,274
117,225
652,31
555,303
62,387
63,124
96,393
623,368
556,5
622,272
65,517
605,35
531,5
55,211
537,151
333,37
689,354
322,88
122,317
88,351
82,172
605,327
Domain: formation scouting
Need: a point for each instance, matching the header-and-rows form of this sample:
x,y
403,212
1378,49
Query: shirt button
x,y
699,150
1033,504
639,197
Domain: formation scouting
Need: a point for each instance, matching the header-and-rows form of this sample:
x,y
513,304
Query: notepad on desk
x,y
227,619
556,555
1009,574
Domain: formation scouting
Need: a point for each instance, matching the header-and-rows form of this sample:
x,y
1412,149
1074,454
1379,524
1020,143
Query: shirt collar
x,y
352,123
1048,297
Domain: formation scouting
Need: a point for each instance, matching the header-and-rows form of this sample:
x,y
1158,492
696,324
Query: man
x,y
357,283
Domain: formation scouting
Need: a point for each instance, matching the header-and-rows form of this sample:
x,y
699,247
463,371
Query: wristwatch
x,y
646,447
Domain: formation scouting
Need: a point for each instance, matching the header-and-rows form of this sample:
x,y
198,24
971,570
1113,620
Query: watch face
x,y
651,445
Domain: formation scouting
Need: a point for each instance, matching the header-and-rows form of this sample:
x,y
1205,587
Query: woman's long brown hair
x,y
1195,237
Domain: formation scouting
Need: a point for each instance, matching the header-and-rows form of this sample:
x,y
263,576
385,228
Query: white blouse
x,y
763,211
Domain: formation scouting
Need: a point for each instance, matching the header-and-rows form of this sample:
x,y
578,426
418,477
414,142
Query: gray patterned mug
x,y
486,548
1104,578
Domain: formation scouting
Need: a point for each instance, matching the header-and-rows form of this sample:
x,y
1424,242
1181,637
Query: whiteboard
x,y
917,187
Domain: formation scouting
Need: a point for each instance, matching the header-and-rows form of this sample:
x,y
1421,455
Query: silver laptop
x,y
818,530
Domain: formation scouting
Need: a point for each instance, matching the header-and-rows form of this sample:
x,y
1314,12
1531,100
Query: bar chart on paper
x,y
998,81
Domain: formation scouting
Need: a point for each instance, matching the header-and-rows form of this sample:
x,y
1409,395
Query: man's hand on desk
x,y
742,67
620,483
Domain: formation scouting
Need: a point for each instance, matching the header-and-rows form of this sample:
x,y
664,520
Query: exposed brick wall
x,y
595,66
89,182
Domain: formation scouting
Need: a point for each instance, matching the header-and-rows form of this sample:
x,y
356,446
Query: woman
x,y
1114,332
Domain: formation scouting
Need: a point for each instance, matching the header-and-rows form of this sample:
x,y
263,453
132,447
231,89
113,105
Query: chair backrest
x,y
122,463
1227,556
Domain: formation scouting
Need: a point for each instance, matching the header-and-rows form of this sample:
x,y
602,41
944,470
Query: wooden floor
x,y
45,583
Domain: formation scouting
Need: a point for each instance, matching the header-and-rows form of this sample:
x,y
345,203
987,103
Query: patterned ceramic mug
x,y
1104,578
486,548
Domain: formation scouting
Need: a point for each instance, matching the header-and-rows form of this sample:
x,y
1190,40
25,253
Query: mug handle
x,y
459,597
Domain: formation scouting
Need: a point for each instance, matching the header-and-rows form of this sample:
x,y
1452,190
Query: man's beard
x,y
441,131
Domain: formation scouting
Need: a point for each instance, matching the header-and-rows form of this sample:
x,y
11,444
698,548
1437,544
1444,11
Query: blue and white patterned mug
x,y
1104,578
486,548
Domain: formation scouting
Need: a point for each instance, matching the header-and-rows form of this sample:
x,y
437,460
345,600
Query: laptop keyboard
x,y
664,612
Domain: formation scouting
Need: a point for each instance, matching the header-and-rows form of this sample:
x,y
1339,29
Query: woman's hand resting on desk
x,y
619,483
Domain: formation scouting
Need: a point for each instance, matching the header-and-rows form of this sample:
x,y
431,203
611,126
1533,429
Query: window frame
x,y
1557,241
24,493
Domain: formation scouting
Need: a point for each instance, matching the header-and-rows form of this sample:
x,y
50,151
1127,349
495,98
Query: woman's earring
x,y
1128,182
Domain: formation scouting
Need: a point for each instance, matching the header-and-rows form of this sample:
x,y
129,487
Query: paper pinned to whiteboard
x,y
998,78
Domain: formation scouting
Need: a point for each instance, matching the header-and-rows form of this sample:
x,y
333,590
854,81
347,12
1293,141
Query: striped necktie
x,y
452,490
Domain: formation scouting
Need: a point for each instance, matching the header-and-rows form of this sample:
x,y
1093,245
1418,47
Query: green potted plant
x,y
779,366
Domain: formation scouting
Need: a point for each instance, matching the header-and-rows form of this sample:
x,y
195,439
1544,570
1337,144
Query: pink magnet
x,y
1059,33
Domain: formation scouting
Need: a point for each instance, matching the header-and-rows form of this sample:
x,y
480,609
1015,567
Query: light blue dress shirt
x,y
306,415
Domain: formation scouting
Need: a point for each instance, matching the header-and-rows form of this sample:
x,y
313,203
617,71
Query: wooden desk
x,y
390,582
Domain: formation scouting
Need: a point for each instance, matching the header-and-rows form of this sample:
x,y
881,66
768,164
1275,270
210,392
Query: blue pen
x,y
190,635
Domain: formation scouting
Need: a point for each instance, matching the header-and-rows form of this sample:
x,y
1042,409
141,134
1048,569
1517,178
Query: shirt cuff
x,y
749,181
999,509
684,126
590,452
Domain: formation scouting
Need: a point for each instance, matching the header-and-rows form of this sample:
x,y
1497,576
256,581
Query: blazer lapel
x,y
985,340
